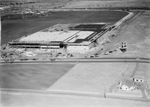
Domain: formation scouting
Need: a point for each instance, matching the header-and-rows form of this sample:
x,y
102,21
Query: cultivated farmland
x,y
31,76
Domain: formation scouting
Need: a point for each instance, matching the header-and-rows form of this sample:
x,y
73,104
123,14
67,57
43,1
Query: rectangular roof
x,y
81,35
49,36
59,36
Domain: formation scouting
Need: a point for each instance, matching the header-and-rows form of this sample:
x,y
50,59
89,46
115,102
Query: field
x,y
137,34
17,28
107,3
99,78
31,76
92,78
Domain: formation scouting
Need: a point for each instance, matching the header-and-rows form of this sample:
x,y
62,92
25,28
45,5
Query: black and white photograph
x,y
74,53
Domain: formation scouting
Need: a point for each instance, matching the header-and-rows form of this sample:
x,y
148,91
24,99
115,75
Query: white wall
x,y
78,49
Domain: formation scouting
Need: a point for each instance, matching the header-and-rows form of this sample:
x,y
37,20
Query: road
x,y
69,93
85,60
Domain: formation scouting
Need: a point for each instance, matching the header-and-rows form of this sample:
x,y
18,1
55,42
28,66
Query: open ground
x,y
15,29
137,35
83,78
107,3
31,76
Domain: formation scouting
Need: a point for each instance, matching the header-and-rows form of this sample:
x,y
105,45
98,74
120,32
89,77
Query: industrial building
x,y
79,38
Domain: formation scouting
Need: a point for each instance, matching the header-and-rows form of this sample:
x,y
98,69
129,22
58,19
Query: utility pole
x,y
0,33
0,49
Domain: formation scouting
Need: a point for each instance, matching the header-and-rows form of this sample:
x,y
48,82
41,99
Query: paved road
x,y
70,93
85,60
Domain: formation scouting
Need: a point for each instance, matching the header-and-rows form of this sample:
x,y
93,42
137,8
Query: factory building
x,y
77,39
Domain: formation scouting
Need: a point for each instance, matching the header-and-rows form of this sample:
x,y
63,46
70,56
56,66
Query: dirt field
x,y
31,76
92,78
143,70
137,35
83,78
15,29
107,3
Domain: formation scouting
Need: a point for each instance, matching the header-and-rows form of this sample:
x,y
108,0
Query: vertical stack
x,y
0,35
0,51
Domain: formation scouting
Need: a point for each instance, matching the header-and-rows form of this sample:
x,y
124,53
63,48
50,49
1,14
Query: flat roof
x,y
60,36
49,36
81,35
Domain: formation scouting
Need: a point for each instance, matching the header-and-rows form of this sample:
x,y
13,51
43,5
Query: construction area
x,y
62,39
77,39
74,40
82,53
